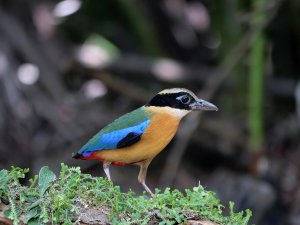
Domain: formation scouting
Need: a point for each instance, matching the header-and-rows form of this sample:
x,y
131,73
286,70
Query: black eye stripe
x,y
172,100
178,94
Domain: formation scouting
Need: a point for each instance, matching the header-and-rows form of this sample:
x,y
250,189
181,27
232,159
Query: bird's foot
x,y
147,189
106,170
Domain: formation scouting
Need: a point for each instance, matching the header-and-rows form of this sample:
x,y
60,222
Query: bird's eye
x,y
185,99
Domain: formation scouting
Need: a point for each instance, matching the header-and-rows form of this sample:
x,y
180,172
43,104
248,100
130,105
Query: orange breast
x,y
159,133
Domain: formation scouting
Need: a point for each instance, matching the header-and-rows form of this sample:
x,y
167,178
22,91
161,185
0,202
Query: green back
x,y
130,119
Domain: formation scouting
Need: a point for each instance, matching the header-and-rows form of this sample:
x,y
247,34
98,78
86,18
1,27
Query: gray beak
x,y
203,105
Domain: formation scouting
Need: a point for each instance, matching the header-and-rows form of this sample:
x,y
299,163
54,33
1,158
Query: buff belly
x,y
160,132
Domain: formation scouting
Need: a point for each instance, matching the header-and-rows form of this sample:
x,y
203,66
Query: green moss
x,y
58,200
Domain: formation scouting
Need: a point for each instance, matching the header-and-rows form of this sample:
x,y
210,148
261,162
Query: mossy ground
x,y
64,199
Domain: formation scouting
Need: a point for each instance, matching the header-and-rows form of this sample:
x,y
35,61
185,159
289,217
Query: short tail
x,y
77,156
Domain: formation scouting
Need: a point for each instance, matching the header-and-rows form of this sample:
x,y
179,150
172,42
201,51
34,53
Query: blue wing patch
x,y
115,139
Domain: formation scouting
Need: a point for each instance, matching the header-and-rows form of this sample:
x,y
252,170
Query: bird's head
x,y
180,101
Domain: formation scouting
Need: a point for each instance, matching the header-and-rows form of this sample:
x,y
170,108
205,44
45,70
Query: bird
x,y
138,136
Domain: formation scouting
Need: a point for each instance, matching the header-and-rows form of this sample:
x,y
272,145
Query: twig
x,y
16,34
138,65
124,88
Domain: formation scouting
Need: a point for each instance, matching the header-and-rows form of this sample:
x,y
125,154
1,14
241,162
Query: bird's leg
x,y
142,175
106,169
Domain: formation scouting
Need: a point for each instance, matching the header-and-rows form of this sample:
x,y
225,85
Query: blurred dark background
x,y
67,68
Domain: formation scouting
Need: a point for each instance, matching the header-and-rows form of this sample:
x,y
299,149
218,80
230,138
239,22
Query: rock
x,y
94,216
200,222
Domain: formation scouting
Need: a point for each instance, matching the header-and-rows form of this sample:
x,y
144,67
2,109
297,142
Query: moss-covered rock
x,y
74,197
